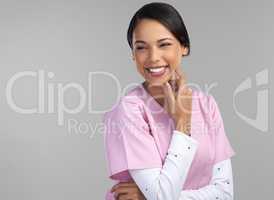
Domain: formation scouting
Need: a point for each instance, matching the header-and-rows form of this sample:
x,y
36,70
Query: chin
x,y
158,81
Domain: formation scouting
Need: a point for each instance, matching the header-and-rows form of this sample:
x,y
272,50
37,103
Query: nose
x,y
154,56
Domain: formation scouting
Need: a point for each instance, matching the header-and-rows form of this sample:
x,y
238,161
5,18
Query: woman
x,y
164,140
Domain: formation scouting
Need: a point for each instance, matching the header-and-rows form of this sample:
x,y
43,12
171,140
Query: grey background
x,y
231,41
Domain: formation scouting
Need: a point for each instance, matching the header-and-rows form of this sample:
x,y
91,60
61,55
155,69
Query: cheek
x,y
140,62
140,58
174,59
141,70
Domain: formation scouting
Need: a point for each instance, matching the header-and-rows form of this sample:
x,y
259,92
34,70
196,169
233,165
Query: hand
x,y
178,101
127,191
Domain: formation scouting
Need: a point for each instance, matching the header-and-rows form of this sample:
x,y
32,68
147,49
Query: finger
x,y
126,197
180,76
185,101
173,84
169,97
172,81
121,188
126,184
115,187
131,196
181,81
168,90
125,190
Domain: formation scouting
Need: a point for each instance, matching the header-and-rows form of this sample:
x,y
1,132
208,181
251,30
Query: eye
x,y
165,44
140,48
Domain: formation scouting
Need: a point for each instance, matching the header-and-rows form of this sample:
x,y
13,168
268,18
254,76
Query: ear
x,y
133,55
184,50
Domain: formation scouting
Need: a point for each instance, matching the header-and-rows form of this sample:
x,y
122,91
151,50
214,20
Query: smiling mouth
x,y
159,70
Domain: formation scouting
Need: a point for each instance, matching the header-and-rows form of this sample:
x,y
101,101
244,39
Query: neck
x,y
156,91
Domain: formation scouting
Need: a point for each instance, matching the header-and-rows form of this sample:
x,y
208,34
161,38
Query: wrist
x,y
183,127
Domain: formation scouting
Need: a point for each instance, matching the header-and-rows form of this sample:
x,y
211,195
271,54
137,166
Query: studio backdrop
x,y
65,63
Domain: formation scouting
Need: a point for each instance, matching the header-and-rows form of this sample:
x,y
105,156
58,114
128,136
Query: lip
x,y
156,74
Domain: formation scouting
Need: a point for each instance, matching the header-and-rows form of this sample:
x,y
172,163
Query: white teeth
x,y
155,70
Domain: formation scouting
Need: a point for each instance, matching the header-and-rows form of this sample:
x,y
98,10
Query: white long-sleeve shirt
x,y
165,183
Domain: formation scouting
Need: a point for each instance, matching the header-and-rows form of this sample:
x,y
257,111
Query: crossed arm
x,y
165,183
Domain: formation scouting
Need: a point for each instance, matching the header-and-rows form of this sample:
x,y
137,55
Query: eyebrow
x,y
143,42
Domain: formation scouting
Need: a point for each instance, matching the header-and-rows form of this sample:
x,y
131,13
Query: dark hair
x,y
167,15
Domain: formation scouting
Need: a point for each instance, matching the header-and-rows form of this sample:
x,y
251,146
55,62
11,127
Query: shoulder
x,y
206,103
201,98
128,106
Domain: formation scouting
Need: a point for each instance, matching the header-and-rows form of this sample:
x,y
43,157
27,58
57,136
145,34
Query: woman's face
x,y
156,51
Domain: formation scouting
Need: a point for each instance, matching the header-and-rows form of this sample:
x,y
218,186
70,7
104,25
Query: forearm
x,y
220,187
166,183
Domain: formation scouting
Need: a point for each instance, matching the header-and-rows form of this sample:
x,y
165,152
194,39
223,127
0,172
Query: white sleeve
x,y
220,186
166,183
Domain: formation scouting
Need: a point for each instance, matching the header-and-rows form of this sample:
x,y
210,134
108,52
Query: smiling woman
x,y
158,39
156,51
164,140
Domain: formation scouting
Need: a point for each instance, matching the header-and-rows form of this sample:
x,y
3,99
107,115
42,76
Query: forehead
x,y
150,30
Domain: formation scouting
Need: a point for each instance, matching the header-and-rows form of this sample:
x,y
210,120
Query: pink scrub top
x,y
138,131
